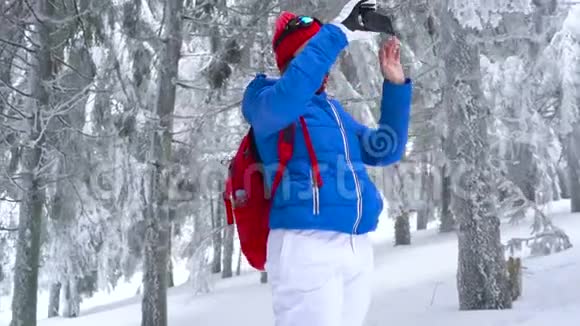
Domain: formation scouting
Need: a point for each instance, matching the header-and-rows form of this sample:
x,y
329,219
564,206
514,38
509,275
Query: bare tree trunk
x,y
400,195
263,277
217,239
2,258
200,270
64,250
426,208
447,218
556,195
154,303
514,267
72,303
402,230
573,156
170,280
564,183
54,300
24,300
482,281
228,263
422,218
522,167
239,268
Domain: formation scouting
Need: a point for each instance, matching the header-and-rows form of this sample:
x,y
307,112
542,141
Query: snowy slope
x,y
413,286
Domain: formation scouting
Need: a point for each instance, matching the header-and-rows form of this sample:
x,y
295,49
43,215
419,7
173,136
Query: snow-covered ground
x,y
414,285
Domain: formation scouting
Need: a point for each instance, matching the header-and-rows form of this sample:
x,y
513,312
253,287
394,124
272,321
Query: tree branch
x,y
15,89
9,200
72,68
14,44
5,229
79,131
33,12
13,108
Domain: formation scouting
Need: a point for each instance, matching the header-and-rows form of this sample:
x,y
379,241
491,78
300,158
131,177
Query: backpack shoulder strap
x,y
286,149
227,194
313,160
252,145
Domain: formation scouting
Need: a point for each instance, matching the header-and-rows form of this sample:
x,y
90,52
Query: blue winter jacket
x,y
348,201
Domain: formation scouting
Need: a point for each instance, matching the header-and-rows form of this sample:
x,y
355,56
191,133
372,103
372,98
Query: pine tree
x,y
448,222
427,189
402,230
217,238
32,181
560,80
54,300
157,237
570,109
228,262
573,157
481,276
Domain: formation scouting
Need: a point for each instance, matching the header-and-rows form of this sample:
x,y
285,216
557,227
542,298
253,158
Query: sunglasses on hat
x,y
295,24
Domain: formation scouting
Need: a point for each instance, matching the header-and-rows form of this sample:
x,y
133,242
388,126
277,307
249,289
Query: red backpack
x,y
246,198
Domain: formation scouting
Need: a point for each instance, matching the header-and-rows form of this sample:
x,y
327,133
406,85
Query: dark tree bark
x,y
573,155
402,230
64,212
228,262
54,300
72,306
514,267
217,239
564,183
154,303
170,279
427,182
2,258
522,168
422,218
448,223
239,268
482,281
263,277
24,300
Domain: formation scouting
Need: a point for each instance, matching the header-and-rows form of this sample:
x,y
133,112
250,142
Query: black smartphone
x,y
377,21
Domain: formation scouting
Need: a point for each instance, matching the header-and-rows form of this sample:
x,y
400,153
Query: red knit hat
x,y
286,49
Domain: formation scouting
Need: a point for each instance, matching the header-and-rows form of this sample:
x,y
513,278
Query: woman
x,y
320,258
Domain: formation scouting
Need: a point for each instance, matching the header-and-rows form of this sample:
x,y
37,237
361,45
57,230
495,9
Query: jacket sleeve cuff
x,y
345,31
399,95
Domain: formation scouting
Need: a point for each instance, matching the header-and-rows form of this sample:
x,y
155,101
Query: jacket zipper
x,y
315,195
351,167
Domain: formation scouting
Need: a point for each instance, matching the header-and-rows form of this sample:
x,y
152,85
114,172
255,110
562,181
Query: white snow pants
x,y
319,278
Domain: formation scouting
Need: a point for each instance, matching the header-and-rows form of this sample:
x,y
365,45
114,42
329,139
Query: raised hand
x,y
390,61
